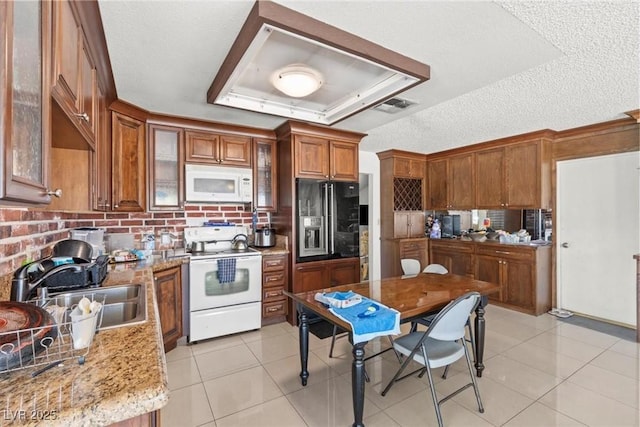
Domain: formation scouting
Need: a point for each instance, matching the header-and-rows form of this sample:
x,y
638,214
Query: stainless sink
x,y
123,305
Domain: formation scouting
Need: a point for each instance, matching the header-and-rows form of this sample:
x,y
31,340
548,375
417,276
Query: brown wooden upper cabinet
x,y
451,182
25,114
515,176
322,158
265,175
409,168
129,166
217,149
166,167
74,76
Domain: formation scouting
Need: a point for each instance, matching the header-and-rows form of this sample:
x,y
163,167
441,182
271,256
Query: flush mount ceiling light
x,y
297,80
346,74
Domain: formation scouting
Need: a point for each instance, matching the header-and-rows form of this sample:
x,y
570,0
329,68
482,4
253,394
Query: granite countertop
x,y
125,373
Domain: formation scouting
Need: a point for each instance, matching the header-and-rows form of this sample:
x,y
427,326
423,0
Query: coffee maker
x,y
450,226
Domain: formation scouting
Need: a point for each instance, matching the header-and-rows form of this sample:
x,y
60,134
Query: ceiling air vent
x,y
394,105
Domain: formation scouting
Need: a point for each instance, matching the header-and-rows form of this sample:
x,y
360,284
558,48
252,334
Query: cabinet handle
x,y
57,192
83,116
273,309
115,206
503,252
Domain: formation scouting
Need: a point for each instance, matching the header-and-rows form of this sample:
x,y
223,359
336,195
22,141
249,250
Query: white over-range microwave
x,y
217,184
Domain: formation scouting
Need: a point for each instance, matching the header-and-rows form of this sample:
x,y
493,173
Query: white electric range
x,y
225,285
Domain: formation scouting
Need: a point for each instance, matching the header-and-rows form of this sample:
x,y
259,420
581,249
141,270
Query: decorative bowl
x,y
478,237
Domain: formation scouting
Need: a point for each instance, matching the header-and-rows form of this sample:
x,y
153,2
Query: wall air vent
x,y
394,105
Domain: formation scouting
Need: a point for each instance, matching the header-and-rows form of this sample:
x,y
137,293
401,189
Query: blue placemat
x,y
369,319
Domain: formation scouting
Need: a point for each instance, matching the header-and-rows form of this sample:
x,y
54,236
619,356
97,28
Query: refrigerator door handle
x,y
326,218
332,217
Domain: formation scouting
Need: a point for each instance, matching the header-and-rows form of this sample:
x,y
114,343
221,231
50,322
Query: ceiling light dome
x,y
297,80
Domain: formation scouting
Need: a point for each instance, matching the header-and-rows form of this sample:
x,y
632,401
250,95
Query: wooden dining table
x,y
413,296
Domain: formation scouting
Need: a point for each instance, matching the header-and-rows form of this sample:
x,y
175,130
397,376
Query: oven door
x,y
206,291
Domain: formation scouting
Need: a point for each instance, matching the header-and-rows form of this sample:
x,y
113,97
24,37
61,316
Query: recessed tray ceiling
x,y
356,73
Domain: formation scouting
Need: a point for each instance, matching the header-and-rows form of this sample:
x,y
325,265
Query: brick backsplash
x,y
27,233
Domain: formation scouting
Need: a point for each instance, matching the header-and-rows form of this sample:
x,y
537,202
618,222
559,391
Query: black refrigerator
x,y
327,219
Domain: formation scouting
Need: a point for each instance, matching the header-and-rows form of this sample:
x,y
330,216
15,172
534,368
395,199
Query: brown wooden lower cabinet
x,y
275,279
309,276
523,272
457,257
150,419
168,287
394,250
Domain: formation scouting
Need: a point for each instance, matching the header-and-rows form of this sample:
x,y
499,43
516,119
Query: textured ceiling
x,y
498,69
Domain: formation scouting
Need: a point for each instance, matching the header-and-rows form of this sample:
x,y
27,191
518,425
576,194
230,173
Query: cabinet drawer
x,y
275,278
505,252
273,263
273,294
274,309
451,245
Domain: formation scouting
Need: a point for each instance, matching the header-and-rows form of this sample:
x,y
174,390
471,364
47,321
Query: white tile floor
x,y
539,372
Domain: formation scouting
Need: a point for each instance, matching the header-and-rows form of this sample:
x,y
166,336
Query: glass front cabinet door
x,y
264,170
25,43
166,166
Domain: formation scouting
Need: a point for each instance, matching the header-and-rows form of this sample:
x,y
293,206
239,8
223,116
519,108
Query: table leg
x,y
357,383
479,332
303,330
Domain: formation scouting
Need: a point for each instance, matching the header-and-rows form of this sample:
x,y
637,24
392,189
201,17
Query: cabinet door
x,y
102,162
343,160
401,224
166,180
490,179
310,276
235,151
522,164
66,56
489,269
264,175
168,288
128,176
312,157
416,224
519,285
408,168
87,111
202,147
344,272
25,126
461,179
437,184
414,249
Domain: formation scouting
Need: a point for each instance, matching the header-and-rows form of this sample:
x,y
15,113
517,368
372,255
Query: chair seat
x,y
440,353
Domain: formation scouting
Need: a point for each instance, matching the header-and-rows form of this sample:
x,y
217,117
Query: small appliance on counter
x,y
450,226
265,237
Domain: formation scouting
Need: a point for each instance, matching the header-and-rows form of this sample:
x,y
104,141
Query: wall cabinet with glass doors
x,y
25,43
264,175
166,167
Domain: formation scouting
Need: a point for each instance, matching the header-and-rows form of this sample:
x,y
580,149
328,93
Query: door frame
x,y
614,137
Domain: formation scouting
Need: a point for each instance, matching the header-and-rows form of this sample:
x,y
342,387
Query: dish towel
x,y
369,319
226,270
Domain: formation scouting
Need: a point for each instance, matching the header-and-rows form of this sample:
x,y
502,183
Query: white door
x,y
598,233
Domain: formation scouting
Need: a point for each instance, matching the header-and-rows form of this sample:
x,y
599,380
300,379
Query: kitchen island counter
x,y
124,376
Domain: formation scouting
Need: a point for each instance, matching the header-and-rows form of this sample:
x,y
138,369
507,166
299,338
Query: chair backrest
x,y
449,324
410,266
435,268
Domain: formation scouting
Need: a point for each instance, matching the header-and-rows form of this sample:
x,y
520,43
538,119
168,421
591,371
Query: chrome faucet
x,y
22,289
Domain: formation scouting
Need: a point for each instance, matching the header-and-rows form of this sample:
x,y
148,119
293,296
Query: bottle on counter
x,y
435,230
